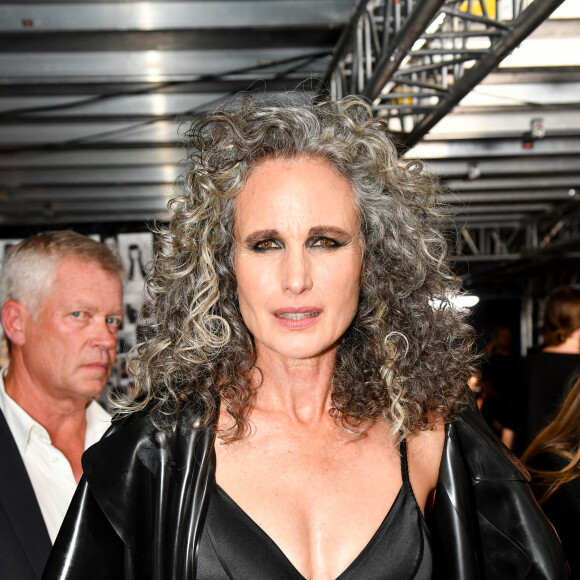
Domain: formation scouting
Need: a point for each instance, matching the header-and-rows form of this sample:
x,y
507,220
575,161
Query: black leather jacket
x,y
139,510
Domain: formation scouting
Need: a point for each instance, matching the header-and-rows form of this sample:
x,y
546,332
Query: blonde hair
x,y
562,438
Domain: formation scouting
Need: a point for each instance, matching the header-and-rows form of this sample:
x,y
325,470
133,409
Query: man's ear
x,y
13,319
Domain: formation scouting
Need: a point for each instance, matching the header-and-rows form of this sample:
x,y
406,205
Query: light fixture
x,y
461,301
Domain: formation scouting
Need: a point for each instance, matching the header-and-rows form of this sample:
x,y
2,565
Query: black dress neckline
x,y
234,546
258,530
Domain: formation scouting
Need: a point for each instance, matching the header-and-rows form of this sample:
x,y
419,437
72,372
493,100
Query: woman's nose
x,y
296,276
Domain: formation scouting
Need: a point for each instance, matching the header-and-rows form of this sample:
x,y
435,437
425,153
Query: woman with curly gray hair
x,y
300,407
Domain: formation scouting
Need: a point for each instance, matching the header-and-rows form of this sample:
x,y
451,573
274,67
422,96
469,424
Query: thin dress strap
x,y
404,464
405,473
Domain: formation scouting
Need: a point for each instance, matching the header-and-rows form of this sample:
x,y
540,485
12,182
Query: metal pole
x,y
392,56
526,324
343,43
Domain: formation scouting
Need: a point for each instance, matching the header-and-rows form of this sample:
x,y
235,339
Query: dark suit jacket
x,y
24,541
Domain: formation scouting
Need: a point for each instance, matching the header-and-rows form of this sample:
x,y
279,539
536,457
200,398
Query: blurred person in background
x,y
61,300
548,372
553,459
500,372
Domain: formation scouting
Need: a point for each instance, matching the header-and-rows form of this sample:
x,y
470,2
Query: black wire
x,y
159,86
301,61
11,113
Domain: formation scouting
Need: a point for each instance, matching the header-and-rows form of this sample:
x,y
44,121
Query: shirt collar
x,y
20,422
98,421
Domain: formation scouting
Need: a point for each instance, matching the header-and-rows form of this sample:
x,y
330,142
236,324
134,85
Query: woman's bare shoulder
x,y
424,452
428,443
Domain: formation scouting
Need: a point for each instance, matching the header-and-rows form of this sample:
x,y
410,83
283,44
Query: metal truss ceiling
x,y
95,97
417,60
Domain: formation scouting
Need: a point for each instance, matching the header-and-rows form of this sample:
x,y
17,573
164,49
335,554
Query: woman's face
x,y
298,257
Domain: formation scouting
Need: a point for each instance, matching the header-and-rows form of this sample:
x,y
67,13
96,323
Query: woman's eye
x,y
324,242
266,245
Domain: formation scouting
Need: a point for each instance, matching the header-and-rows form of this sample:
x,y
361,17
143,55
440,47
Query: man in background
x,y
61,299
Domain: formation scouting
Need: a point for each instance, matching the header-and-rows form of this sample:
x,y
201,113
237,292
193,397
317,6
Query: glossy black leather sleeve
x,y
486,522
139,510
87,546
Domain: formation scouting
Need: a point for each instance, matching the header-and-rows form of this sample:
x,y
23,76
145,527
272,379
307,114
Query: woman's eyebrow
x,y
330,231
259,236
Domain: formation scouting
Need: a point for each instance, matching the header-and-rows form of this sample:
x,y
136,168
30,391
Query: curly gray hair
x,y
406,356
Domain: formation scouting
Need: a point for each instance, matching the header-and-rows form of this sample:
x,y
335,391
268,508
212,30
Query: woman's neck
x,y
570,346
567,347
299,388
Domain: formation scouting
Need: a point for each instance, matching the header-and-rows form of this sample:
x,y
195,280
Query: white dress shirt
x,y
49,471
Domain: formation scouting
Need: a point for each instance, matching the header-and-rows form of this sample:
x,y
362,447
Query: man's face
x,y
70,345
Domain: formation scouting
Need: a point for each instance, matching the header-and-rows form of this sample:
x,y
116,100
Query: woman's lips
x,y
297,315
297,318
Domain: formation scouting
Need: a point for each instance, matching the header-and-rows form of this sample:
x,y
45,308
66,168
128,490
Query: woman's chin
x,y
299,351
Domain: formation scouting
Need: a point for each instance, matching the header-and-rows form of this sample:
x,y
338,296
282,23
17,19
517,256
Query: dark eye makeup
x,y
326,237
325,242
266,245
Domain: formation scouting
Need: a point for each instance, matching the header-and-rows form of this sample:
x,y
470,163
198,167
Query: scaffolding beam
x,y
416,60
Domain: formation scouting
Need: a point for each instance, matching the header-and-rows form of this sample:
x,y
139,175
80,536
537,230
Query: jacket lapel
x,y
19,502
153,485
486,521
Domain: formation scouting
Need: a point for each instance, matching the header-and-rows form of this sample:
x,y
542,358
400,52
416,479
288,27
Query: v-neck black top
x,y
233,546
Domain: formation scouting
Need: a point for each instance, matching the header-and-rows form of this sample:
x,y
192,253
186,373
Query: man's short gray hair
x,y
28,270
